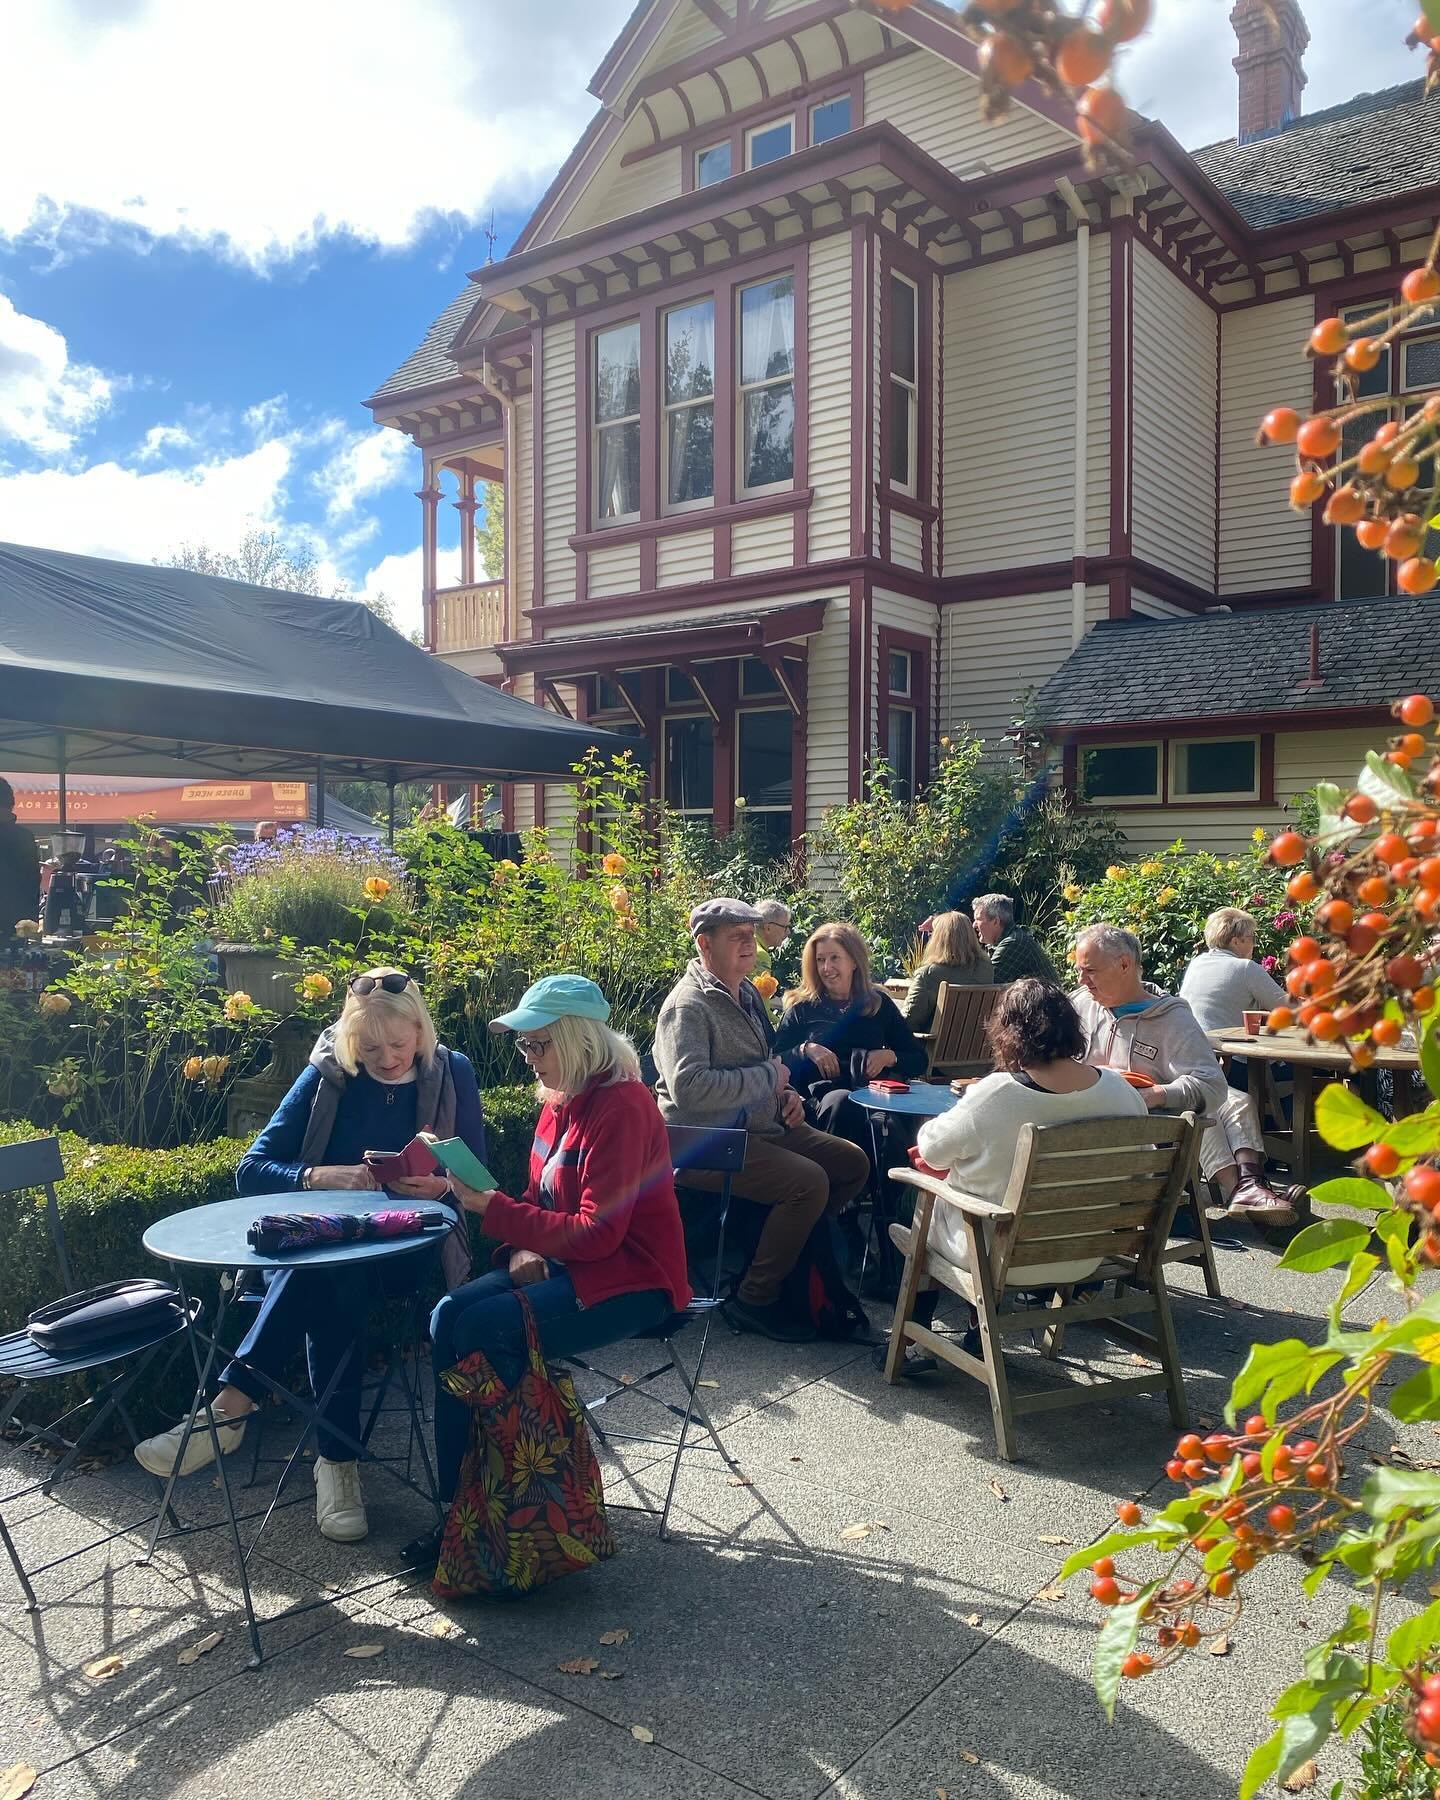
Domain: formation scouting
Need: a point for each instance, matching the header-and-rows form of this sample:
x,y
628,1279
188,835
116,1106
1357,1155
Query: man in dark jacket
x,y
1014,952
19,867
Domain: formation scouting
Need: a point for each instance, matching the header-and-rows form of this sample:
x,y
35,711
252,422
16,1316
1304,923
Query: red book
x,y
391,1165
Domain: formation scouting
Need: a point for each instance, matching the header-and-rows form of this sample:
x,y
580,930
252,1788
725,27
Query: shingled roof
x,y
1225,664
431,364
1370,148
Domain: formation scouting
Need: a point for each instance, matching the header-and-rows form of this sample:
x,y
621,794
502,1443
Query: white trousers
x,y
1236,1126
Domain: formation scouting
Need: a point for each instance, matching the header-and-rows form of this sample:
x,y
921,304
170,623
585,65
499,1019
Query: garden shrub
x,y
1166,899
311,886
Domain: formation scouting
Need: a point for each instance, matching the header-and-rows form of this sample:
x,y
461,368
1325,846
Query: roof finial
x,y
490,235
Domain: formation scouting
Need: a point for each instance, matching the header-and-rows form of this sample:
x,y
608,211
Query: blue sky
x,y
220,230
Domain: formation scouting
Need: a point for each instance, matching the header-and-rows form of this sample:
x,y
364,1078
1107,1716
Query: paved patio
x,y
767,1653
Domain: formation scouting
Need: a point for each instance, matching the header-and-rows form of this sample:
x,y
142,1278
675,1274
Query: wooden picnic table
x,y
1313,1065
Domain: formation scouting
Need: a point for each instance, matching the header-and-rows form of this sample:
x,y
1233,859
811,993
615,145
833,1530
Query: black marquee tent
x,y
122,668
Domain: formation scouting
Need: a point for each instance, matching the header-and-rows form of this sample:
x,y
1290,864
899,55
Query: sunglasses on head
x,y
367,984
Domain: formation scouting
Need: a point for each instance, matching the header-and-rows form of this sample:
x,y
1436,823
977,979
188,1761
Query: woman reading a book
x,y
596,1242
375,1078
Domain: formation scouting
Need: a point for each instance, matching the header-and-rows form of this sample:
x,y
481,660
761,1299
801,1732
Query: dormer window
x,y
830,119
768,143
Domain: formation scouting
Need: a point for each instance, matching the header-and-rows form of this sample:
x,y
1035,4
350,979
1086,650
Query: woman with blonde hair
x,y
596,1241
839,1031
954,955
374,1079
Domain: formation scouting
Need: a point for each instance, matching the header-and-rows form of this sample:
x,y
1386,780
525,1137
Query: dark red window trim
x,y
798,103
918,700
899,259
1265,772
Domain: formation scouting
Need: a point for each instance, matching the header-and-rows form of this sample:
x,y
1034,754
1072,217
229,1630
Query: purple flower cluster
x,y
1269,964
1284,920
299,843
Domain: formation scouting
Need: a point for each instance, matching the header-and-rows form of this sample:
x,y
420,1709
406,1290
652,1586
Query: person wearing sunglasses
x,y
596,1240
374,1078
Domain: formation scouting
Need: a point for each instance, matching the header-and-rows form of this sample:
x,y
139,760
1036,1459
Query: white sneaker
x,y
157,1454
339,1509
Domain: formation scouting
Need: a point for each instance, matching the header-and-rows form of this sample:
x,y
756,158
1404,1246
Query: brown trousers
x,y
797,1176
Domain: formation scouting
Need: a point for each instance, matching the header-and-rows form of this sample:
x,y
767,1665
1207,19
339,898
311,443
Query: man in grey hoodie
x,y
1131,1025
715,1057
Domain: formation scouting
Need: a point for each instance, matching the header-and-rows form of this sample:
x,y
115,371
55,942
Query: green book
x,y
456,1155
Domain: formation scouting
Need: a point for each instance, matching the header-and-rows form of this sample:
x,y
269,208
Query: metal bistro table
x,y
1313,1065
214,1237
925,1100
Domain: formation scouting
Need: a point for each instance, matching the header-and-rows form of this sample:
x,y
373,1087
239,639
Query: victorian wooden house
x,y
832,418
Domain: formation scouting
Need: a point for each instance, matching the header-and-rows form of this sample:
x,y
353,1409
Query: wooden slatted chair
x,y
1088,1202
956,1040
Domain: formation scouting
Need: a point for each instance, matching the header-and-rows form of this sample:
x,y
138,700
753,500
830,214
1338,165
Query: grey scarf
x,y
434,1112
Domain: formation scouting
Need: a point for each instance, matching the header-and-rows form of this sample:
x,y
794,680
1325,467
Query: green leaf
x,y
1390,1491
1350,1190
1393,1230
1263,1364
1419,1397
1323,1244
1415,1135
1115,1544
1386,785
1362,1266
1344,1120
1431,10
1430,1040
1412,1637
1116,1641
1297,1740
1335,828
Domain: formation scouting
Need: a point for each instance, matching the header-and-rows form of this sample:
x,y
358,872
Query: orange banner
x,y
178,803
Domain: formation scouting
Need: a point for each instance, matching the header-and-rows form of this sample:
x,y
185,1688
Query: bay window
x,y
904,383
689,404
616,415
767,384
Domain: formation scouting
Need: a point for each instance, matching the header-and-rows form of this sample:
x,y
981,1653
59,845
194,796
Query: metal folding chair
x,y
25,1168
697,1149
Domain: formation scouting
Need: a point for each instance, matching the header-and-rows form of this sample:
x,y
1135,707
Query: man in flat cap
x,y
714,1051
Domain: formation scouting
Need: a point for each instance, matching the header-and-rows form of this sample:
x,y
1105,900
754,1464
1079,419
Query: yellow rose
x,y
1073,891
1115,872
238,1006
619,897
1151,867
27,928
376,888
53,1004
1166,895
64,1085
193,1067
316,987
765,984
213,1067
614,864
628,922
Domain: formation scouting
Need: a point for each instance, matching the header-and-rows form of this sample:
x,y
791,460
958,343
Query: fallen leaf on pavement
x,y
365,1650
194,1652
617,1636
712,1384
739,1481
1053,1540
797,1459
1052,1593
1136,1357
105,1668
441,1627
969,1756
997,1490
643,1733
579,1665
612,1674
17,1781
942,1794
1303,1777
974,1619
1219,1646
852,1533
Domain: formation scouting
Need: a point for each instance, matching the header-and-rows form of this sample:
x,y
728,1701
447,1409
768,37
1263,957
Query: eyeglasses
x,y
367,984
528,1046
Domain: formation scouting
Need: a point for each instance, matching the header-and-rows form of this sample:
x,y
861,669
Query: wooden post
x,y
429,498
465,506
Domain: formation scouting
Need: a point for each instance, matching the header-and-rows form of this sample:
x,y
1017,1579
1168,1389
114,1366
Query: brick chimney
x,y
1272,36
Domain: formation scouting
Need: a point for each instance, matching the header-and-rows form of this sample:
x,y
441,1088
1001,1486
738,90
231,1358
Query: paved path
x,y
767,1654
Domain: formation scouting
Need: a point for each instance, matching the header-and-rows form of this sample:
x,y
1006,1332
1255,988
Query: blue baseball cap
x,y
555,997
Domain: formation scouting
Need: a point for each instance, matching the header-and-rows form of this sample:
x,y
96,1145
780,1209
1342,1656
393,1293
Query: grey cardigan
x,y
714,1057
929,978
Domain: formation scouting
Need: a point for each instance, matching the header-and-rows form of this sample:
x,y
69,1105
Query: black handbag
x,y
119,1309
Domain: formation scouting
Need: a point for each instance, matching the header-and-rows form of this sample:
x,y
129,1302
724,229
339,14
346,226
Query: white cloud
x,y
46,401
160,440
369,463
262,129
401,579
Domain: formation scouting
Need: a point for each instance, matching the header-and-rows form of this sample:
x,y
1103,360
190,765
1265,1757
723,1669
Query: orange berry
x,y
1127,1512
1122,20
1005,58
1372,459
1386,1033
1391,848
1423,998
1422,1184
1412,744
1100,114
1281,425
1405,971
1420,286
1346,506
1222,1583
1307,487
1398,757
1083,57
1304,950
1381,1160
1337,916
1288,848
1403,540
1374,890
1427,902
1325,1028
1371,532
1105,1590
1362,1056
1136,1664
1318,438
1363,354
1281,1518
1403,473
1281,1019
1361,808
1320,975
1417,575
1416,709
1329,337
1302,888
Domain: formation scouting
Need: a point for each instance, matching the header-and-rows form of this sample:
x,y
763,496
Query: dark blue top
x,y
371,1115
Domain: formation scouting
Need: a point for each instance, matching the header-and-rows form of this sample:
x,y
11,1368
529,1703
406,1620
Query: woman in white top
x,y
1036,1038
1225,980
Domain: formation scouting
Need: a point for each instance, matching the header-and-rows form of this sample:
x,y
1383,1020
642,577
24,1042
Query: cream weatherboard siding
x,y
558,476
758,544
937,106
687,557
1301,759
1149,607
916,618
617,192
1173,410
614,571
1097,393
1263,543
992,652
832,349
828,710
1010,412
906,540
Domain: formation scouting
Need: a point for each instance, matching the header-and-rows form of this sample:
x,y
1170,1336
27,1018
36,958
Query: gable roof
x,y
431,363
1220,665
1374,147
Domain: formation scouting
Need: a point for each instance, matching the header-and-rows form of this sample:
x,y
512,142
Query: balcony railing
x,y
469,618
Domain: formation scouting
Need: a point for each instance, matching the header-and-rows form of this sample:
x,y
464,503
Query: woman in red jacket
x,y
596,1242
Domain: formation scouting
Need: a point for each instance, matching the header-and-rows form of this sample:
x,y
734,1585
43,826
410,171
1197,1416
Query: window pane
x,y
712,165
763,759
1422,363
1124,770
769,453
617,372
770,143
617,493
1216,766
767,329
690,764
690,454
679,688
770,834
900,749
902,328
690,352
755,678
829,119
608,697
901,401
898,674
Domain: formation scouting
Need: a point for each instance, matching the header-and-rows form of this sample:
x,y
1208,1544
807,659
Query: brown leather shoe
x,y
1252,1199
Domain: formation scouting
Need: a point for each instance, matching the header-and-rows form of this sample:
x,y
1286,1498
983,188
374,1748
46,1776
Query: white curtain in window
x,y
767,330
